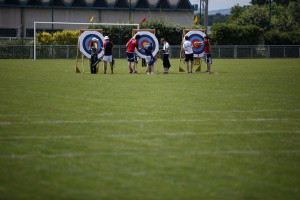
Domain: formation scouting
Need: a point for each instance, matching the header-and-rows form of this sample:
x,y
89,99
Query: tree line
x,y
263,22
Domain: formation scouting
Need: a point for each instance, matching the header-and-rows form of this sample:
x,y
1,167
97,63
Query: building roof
x,y
102,4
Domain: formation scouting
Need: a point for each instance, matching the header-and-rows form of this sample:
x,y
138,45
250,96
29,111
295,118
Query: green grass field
x,y
231,135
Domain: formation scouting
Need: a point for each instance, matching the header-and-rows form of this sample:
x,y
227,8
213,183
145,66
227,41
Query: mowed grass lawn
x,y
230,135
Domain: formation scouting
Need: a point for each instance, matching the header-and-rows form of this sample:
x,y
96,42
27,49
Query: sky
x,y
222,4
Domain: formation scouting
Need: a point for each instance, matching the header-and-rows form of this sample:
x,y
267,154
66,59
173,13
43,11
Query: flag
x,y
196,19
92,19
143,20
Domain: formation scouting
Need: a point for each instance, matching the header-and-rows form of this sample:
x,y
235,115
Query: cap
x,y
94,39
106,38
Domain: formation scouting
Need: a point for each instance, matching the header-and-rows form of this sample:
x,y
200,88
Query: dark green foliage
x,y
278,23
117,34
232,34
282,38
172,33
262,2
255,15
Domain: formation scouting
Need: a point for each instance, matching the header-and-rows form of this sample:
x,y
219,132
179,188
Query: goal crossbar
x,y
73,23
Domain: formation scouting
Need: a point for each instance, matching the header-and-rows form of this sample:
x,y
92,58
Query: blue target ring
x,y
196,37
146,37
196,48
86,41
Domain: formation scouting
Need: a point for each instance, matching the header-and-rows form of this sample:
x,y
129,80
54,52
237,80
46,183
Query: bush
x,y
44,38
66,37
282,38
232,34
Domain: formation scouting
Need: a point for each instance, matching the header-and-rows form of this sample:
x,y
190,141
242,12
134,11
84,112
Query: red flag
x,y
143,20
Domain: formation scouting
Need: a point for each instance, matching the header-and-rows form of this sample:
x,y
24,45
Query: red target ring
x,y
146,37
85,41
195,38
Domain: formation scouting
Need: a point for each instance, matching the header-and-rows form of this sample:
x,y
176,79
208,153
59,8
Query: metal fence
x,y
230,51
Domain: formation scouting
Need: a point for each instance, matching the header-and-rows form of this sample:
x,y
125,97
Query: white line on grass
x,y
148,113
7,123
249,152
139,135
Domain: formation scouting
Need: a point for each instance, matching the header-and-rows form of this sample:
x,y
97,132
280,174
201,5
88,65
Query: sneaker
x,y
152,72
148,73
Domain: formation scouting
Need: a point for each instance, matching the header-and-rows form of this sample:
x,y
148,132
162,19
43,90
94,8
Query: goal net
x,y
68,49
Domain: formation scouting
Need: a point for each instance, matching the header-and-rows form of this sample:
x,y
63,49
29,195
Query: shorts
x,y
148,59
131,57
108,58
207,58
189,57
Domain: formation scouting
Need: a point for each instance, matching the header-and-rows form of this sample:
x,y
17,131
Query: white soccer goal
x,y
68,26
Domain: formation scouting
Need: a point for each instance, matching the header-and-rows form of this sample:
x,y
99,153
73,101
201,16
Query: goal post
x,y
76,25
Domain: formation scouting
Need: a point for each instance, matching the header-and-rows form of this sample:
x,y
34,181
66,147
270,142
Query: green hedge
x,y
232,34
282,38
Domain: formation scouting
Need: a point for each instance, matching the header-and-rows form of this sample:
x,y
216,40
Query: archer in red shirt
x,y
207,53
131,45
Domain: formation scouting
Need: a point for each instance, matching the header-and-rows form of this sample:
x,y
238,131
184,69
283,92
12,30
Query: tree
x,y
282,19
281,2
255,15
236,12
293,9
232,34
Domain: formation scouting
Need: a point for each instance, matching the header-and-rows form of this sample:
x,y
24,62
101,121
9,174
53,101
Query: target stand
x,y
84,43
147,36
195,36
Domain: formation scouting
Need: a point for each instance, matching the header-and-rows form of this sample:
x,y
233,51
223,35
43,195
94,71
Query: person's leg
x,y
135,66
208,67
111,67
152,69
187,66
129,67
208,63
104,66
148,68
166,63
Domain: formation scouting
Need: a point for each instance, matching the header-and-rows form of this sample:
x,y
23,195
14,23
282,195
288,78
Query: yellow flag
x,y
196,19
92,19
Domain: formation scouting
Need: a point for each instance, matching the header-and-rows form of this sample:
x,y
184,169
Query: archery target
x,y
146,37
196,36
85,41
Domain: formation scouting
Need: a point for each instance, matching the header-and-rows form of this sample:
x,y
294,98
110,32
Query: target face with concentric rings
x,y
146,37
85,42
195,37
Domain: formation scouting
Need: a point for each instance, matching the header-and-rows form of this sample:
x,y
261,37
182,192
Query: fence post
x,y
68,51
284,52
235,52
220,52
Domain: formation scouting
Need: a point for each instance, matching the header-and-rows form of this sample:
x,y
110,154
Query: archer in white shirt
x,y
189,55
